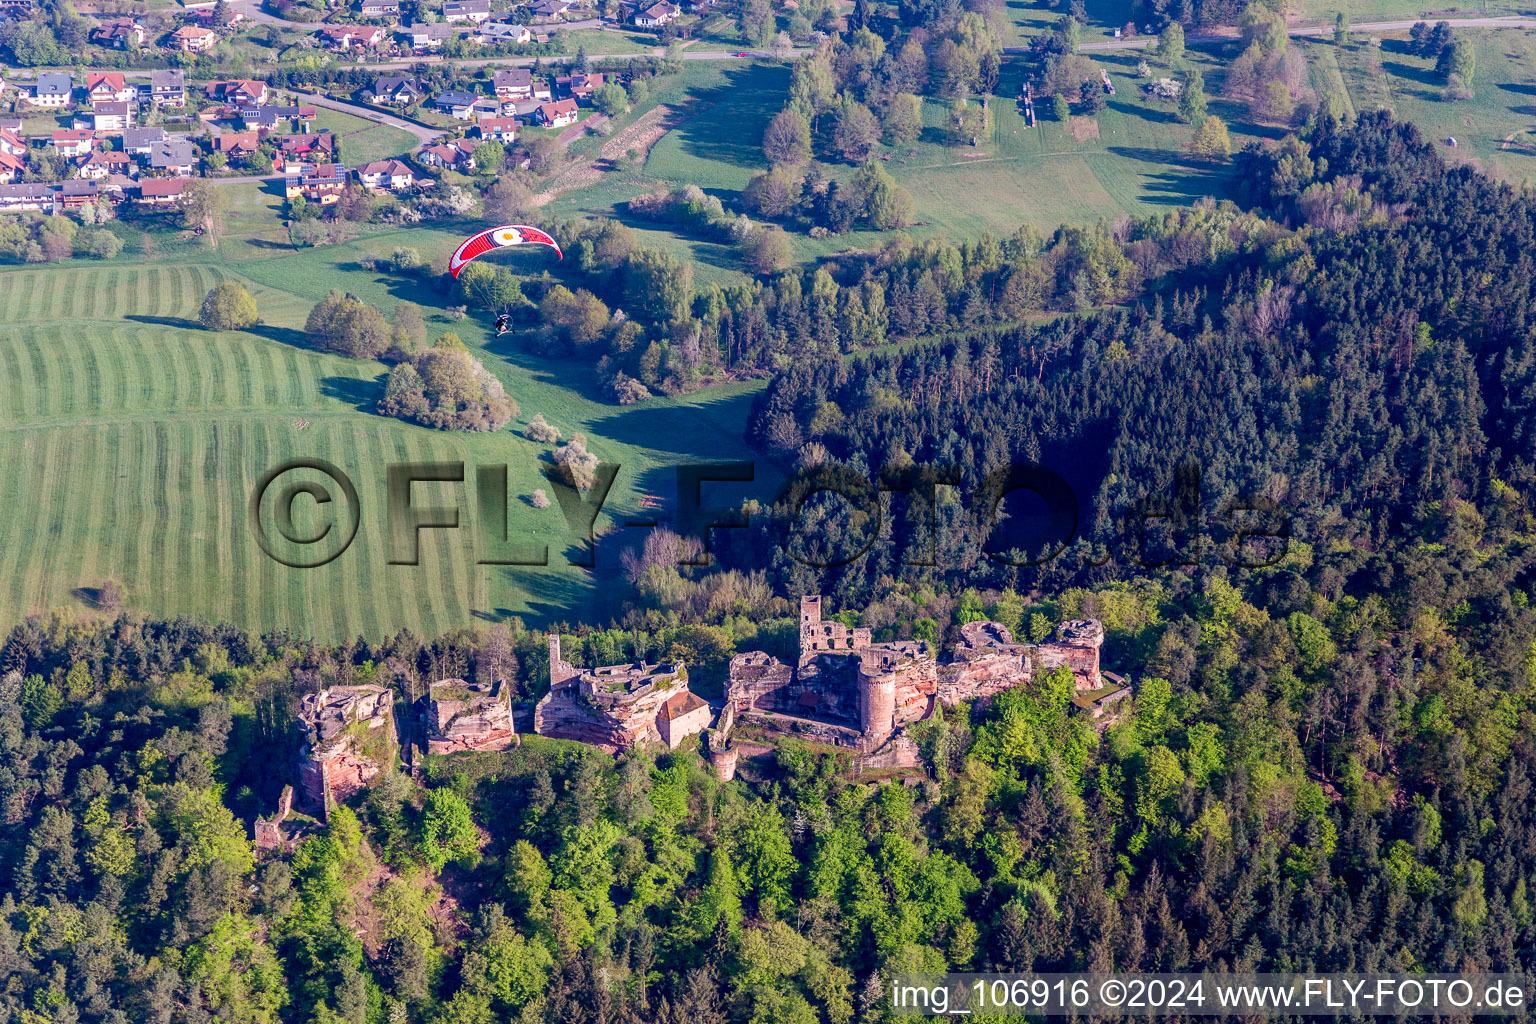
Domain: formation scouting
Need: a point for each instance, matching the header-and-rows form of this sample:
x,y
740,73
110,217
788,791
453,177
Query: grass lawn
x,y
1503,107
1309,11
363,141
132,439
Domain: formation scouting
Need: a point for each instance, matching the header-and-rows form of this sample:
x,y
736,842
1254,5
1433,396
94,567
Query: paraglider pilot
x,y
503,323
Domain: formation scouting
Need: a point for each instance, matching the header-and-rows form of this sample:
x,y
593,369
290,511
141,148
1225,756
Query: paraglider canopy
x,y
499,238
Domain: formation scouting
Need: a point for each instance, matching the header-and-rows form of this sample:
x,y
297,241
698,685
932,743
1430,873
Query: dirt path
x,y
647,129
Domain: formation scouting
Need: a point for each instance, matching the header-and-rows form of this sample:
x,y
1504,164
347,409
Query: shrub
x,y
540,430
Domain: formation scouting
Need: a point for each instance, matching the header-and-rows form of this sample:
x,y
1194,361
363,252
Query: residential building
x,y
111,117
474,11
318,183
53,90
11,167
451,157
168,88
548,10
31,196
236,145
75,194
379,9
386,176
427,37
270,118
456,103
579,86
516,84
557,114
194,39
241,93
118,33
140,141
12,144
501,129
209,17
105,86
542,90
343,38
99,164
314,147
493,32
656,15
73,142
161,191
398,90
174,157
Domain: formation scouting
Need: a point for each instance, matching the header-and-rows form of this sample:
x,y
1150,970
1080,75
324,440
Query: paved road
x,y
1142,42
423,133
657,51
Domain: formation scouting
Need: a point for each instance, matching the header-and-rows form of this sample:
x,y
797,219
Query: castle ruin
x,y
464,716
619,707
847,691
349,734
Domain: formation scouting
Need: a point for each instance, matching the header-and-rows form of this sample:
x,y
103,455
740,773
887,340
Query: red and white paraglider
x,y
498,238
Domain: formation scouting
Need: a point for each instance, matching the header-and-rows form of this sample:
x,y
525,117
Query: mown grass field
x,y
1493,130
132,438
363,141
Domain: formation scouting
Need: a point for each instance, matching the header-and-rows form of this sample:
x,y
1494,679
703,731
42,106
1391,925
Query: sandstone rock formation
x,y
468,716
349,738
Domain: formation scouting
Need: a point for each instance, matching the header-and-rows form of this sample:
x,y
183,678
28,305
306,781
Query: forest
x,y
1325,765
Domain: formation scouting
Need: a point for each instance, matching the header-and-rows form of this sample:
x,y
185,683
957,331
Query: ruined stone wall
x,y
984,675
755,681
580,710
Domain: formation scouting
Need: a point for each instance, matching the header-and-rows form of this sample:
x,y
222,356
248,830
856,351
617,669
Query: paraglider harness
x,y
503,323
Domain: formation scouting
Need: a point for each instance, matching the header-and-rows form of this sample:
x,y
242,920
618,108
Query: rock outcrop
x,y
349,738
464,716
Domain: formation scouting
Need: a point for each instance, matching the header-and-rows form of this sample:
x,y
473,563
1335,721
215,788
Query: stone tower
x,y
810,621
877,705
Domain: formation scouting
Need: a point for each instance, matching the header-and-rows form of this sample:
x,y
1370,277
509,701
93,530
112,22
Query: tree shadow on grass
x,y
1424,76
282,335
1154,114
726,123
1523,88
360,393
1162,156
182,322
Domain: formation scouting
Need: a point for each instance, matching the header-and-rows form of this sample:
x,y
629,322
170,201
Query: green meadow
x,y
132,439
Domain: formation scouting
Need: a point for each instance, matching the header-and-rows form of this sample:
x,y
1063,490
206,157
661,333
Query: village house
x,y
398,90
31,196
73,142
379,9
12,144
106,86
321,183
474,11
111,117
209,17
515,84
501,129
549,10
386,176
168,88
268,119
75,194
53,91
119,33
161,192
139,141
194,39
236,145
240,93
656,15
98,164
456,103
454,156
494,32
316,147
11,167
557,114
427,37
343,38
173,157
579,86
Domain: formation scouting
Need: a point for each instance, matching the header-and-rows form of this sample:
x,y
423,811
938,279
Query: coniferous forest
x,y
1326,765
